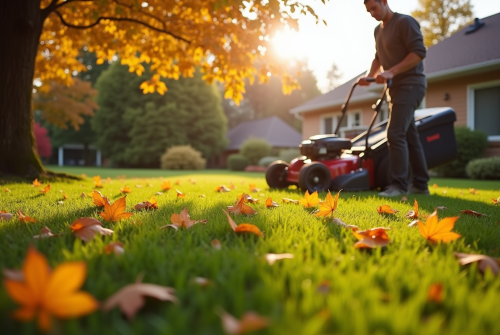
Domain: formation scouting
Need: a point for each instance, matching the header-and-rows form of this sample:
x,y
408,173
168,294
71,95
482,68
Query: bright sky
x,y
348,38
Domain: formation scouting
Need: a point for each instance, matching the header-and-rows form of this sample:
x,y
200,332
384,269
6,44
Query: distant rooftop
x,y
274,130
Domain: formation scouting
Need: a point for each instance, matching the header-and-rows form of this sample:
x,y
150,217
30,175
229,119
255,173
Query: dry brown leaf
x,y
99,200
45,232
131,298
150,204
386,209
182,220
222,189
435,293
271,258
404,199
413,213
472,213
180,195
25,218
271,203
45,190
116,247
241,208
371,238
216,244
250,321
248,198
115,212
242,228
36,183
484,262
126,189
83,195
290,201
86,228
5,216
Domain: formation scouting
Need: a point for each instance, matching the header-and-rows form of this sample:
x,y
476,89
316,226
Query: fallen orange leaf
x,y
25,218
242,228
99,200
310,200
413,213
484,262
253,188
150,204
44,293
86,228
115,212
290,201
45,190
250,321
271,203
386,209
248,198
97,182
115,247
435,231
435,293
36,183
241,208
496,201
472,213
180,195
131,298
165,186
222,189
182,220
5,216
126,189
371,238
45,232
64,196
328,206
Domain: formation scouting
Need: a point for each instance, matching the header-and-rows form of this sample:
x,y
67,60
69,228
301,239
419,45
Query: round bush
x,y
471,144
288,154
237,162
484,168
254,149
182,157
265,161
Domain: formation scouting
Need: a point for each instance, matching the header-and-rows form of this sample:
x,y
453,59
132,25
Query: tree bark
x,y
21,24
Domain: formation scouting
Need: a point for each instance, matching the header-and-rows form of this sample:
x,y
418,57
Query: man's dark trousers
x,y
403,139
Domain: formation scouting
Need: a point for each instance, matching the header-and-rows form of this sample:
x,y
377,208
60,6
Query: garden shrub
x,y
182,157
254,149
484,168
288,154
237,162
471,144
265,161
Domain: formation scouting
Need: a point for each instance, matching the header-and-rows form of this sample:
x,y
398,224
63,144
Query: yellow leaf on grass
x,y
126,189
271,203
242,228
165,186
310,200
45,190
435,231
386,209
182,220
36,183
115,212
328,206
99,200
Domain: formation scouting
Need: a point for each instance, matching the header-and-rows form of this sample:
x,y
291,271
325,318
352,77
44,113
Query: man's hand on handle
x,y
381,78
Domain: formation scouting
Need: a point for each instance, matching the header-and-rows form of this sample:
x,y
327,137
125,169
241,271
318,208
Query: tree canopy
x,y
439,19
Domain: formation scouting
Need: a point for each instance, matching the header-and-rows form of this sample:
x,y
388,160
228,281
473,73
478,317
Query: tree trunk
x,y
20,28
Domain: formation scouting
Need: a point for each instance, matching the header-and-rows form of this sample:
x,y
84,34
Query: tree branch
x,y
67,24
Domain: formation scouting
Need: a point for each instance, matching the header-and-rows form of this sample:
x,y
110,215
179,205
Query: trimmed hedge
x,y
484,168
265,161
182,157
471,144
254,149
237,162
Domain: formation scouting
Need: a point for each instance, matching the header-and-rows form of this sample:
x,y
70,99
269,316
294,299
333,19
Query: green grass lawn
x,y
380,291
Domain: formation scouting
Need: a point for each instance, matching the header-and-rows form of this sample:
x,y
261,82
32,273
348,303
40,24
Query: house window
x,y
350,121
356,119
487,110
328,125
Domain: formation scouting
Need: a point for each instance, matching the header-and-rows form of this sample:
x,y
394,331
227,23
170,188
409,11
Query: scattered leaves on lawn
x,y
5,216
45,232
150,204
115,212
99,200
248,198
25,218
290,201
484,262
435,231
310,200
165,186
328,206
371,238
126,189
242,228
182,220
413,213
435,293
115,247
86,228
241,208
180,195
44,293
45,190
386,209
249,322
271,258
131,297
472,213
222,189
36,183
271,203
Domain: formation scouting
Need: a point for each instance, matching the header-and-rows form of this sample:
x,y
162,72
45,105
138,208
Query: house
x,y
463,72
275,131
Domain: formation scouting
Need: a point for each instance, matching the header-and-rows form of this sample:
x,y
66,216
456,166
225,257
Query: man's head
x,y
377,8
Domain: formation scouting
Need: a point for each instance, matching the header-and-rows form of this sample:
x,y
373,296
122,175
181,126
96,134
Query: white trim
x,y
350,120
457,71
471,103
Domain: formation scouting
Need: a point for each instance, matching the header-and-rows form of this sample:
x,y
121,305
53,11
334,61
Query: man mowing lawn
x,y
399,54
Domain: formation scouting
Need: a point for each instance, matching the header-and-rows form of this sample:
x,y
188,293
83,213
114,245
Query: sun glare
x,y
288,44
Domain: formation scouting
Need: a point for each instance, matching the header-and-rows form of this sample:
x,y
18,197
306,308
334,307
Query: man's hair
x,y
375,0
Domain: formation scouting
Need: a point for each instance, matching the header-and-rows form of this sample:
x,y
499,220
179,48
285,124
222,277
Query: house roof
x,y
460,54
274,130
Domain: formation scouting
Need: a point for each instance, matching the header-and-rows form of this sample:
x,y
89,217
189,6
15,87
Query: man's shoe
x,y
392,191
415,190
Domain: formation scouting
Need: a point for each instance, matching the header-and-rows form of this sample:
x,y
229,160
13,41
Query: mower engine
x,y
321,147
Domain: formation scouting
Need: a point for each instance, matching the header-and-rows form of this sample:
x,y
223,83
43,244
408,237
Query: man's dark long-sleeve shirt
x,y
399,37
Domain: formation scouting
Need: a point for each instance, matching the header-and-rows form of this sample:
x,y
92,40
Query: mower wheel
x,y
314,177
276,175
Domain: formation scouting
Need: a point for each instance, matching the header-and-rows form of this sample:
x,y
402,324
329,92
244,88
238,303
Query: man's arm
x,y
410,61
374,70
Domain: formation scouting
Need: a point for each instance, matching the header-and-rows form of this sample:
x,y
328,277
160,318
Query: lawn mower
x,y
329,162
